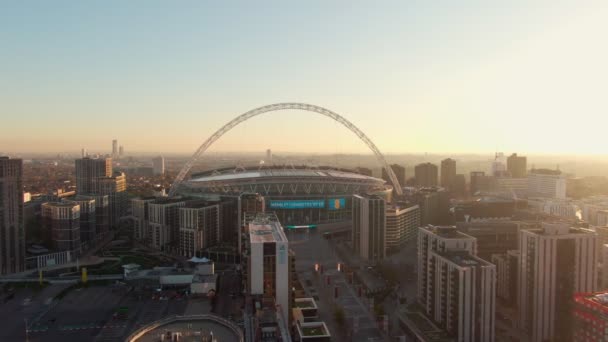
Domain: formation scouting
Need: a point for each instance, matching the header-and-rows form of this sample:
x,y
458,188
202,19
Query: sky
x,y
415,76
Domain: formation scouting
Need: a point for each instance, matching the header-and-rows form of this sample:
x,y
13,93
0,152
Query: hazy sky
x,y
416,76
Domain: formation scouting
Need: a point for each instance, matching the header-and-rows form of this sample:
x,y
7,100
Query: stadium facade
x,y
299,196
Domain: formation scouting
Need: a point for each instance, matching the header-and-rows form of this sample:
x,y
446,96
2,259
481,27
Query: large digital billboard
x,y
336,203
298,204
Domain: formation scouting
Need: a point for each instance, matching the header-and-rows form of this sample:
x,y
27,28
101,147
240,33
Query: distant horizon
x,y
413,76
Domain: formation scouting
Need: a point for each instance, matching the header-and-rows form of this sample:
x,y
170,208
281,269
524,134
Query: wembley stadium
x,y
298,195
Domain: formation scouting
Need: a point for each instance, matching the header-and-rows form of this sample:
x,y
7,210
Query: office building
x,y
506,275
499,167
399,172
121,151
88,170
115,187
87,216
459,187
556,261
114,148
590,317
369,227
83,153
61,222
12,229
511,187
268,264
484,208
517,166
402,222
199,227
546,183
158,164
493,236
426,175
268,156
464,295
437,239
448,173
434,205
481,183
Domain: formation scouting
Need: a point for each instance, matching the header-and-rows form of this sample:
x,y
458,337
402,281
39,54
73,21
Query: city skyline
x,y
414,77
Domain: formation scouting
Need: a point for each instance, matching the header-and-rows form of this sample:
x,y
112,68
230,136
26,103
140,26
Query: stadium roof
x,y
289,173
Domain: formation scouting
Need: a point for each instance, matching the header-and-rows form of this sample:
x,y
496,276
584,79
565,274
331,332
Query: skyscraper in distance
x,y
89,169
114,148
399,172
448,173
12,231
121,151
426,174
517,166
158,165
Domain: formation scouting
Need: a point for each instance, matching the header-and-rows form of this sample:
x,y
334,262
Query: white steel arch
x,y
276,107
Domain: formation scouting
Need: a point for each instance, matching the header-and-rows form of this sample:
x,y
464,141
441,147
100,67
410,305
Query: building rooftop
x,y
546,172
313,329
265,227
234,174
447,232
463,258
305,303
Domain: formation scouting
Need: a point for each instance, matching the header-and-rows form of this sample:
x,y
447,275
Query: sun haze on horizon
x,y
415,77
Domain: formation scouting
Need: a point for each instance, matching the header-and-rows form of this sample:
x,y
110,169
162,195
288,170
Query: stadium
x,y
300,196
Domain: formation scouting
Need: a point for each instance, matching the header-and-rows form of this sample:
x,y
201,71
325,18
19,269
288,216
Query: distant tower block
x,y
114,148
269,156
158,165
121,151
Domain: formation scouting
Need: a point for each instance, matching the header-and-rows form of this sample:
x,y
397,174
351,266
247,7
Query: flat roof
x,y
447,232
463,258
265,227
287,173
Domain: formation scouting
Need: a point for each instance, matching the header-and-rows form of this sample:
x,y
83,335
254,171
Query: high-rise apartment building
x,y
87,217
506,275
590,317
448,173
158,164
115,187
114,148
163,222
517,166
88,170
199,227
437,239
546,183
426,174
62,221
460,185
12,230
369,227
556,261
269,156
139,210
399,172
464,296
121,151
402,222
268,264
